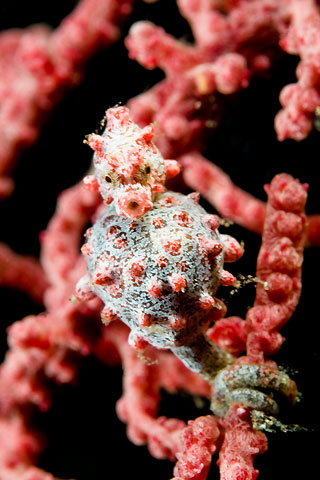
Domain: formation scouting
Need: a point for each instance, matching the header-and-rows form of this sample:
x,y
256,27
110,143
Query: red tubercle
x,y
194,197
173,247
120,243
172,168
86,249
211,247
145,320
88,233
148,133
232,249
157,188
158,222
90,183
155,288
218,311
136,268
211,221
177,282
140,141
283,43
178,322
206,302
113,230
100,278
137,341
95,142
104,274
108,199
226,278
132,226
114,289
168,201
183,219
161,261
107,315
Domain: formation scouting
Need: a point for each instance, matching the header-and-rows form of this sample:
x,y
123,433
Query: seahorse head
x,y
129,168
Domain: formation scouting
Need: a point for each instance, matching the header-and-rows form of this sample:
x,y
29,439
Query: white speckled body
x,y
116,241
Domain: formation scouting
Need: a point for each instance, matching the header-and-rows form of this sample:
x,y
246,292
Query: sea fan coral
x,y
201,110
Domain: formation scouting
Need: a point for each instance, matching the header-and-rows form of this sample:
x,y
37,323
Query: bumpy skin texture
x,y
156,265
154,274
129,168
159,273
44,347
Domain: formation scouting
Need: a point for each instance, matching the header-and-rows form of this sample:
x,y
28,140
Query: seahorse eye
x,y
148,169
108,179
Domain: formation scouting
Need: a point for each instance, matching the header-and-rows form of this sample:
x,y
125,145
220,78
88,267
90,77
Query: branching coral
x,y
38,66
234,41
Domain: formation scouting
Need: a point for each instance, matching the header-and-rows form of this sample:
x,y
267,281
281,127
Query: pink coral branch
x,y
226,54
39,350
43,349
279,265
62,238
152,46
138,407
194,444
38,66
200,440
22,272
40,344
19,449
301,99
216,186
143,378
240,446
231,201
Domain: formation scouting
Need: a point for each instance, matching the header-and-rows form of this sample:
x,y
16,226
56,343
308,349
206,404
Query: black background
x,y
85,438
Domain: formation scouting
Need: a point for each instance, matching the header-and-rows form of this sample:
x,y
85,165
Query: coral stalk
x,y
23,273
231,201
276,300
279,265
153,259
38,66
